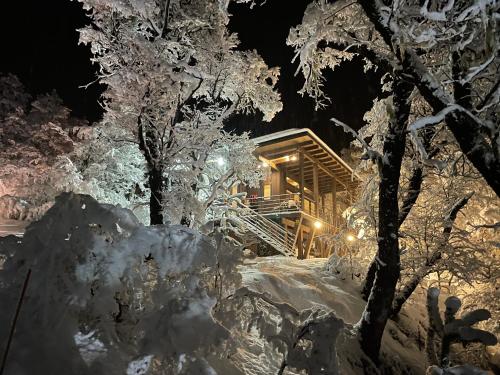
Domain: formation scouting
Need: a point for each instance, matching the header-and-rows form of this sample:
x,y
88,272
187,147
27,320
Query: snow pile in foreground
x,y
108,295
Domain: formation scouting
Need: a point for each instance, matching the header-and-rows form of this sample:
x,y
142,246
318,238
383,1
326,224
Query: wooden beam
x,y
270,150
300,244
309,243
320,165
297,235
282,171
334,202
316,190
301,178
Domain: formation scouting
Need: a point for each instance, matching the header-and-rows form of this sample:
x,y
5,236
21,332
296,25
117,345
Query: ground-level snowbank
x,y
107,293
307,284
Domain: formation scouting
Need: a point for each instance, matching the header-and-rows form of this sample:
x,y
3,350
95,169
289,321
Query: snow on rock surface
x,y
304,284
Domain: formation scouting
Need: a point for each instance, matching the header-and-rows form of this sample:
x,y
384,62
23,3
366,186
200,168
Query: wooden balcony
x,y
307,188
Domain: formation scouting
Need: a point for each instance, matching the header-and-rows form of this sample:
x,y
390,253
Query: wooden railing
x,y
285,204
234,210
274,204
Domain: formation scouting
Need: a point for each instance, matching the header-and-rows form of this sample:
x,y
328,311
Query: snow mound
x,y
106,294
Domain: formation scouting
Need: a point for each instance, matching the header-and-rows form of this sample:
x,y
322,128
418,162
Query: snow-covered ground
x,y
15,227
304,284
307,284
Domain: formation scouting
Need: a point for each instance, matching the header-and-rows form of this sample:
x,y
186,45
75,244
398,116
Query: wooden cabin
x,y
307,188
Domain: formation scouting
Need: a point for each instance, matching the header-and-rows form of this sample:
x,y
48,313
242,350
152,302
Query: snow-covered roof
x,y
299,137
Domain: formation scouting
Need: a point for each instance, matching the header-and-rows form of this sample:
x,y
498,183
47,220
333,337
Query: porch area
x,y
307,189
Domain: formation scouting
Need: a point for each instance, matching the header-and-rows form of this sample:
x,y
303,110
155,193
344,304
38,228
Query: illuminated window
x,y
267,191
307,206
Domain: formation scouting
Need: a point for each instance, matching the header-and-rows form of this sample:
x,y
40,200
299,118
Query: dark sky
x,y
40,45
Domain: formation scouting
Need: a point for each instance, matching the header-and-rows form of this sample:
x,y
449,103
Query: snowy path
x,y
304,284
308,284
12,227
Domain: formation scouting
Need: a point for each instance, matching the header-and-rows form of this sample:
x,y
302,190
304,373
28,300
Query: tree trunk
x,y
156,185
409,200
369,278
149,144
374,318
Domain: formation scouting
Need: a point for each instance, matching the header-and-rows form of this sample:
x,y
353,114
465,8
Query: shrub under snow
x,y
108,295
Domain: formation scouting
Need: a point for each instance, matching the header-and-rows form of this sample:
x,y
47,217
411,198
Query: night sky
x,y
39,45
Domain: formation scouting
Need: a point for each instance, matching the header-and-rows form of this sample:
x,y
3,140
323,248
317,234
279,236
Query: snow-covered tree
x,y
37,136
174,75
410,41
448,50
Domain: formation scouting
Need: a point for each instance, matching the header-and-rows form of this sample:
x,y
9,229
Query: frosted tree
x,y
205,177
381,33
174,75
462,90
451,331
111,171
448,51
37,137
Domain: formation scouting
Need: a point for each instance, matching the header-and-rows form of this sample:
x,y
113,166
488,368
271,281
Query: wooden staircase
x,y
249,220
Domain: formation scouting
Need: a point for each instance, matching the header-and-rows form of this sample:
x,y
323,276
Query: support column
x,y
300,244
298,237
301,182
310,241
334,203
316,190
283,180
323,205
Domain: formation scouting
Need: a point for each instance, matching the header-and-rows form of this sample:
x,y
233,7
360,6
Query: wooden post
x,y
297,235
323,207
316,190
283,180
334,202
300,244
301,182
310,241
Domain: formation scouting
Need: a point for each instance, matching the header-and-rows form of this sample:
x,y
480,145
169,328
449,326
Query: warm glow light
x,y
293,157
265,164
221,161
350,237
287,158
317,224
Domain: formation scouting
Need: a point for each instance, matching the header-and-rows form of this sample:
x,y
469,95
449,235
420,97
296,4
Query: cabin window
x,y
267,191
306,207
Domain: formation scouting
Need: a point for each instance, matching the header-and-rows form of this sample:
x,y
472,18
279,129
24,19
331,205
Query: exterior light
x,y
287,158
350,238
293,157
221,161
317,224
265,164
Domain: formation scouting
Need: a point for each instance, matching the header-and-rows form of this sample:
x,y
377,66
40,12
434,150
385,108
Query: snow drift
x,y
108,295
